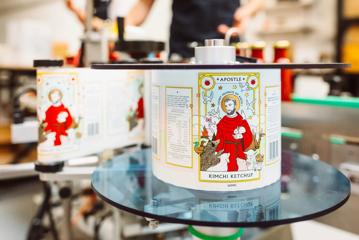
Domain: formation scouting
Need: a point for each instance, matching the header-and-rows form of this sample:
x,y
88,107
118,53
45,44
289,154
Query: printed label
x,y
136,113
58,112
229,147
273,124
179,126
92,111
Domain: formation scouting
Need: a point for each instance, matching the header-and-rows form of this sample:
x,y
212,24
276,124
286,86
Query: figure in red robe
x,y
233,132
140,112
57,117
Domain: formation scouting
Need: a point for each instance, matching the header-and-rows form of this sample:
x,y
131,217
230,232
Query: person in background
x,y
100,14
197,20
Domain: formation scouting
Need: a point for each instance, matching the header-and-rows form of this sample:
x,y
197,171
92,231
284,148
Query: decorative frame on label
x,y
240,89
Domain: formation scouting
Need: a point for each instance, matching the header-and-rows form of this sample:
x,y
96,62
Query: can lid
x,y
215,52
48,63
282,44
259,45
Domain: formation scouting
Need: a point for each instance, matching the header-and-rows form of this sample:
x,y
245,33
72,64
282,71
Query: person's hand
x,y
70,4
240,21
97,23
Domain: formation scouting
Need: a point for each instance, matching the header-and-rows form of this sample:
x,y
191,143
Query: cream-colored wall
x,y
23,23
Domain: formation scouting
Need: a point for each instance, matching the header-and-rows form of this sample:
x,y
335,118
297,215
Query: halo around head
x,y
53,91
232,97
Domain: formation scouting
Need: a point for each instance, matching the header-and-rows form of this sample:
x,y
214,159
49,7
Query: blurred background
x,y
320,113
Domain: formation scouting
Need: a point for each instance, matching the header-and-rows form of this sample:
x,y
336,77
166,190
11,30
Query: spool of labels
x,y
216,129
86,111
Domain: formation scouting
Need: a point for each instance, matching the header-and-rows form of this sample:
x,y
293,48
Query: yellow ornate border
x,y
40,73
39,83
200,76
191,131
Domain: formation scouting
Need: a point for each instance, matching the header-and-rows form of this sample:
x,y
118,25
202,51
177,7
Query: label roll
x,y
216,129
85,111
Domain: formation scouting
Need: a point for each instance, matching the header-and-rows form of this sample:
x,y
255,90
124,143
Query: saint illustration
x,y
57,117
140,112
136,116
233,132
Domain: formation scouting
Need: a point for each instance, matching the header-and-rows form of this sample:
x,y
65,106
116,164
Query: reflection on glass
x,y
246,206
307,187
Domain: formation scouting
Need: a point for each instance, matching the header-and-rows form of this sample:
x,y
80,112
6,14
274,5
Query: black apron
x,y
197,20
100,8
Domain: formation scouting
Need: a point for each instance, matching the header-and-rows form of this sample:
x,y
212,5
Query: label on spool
x,y
219,129
229,122
59,112
85,111
178,115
